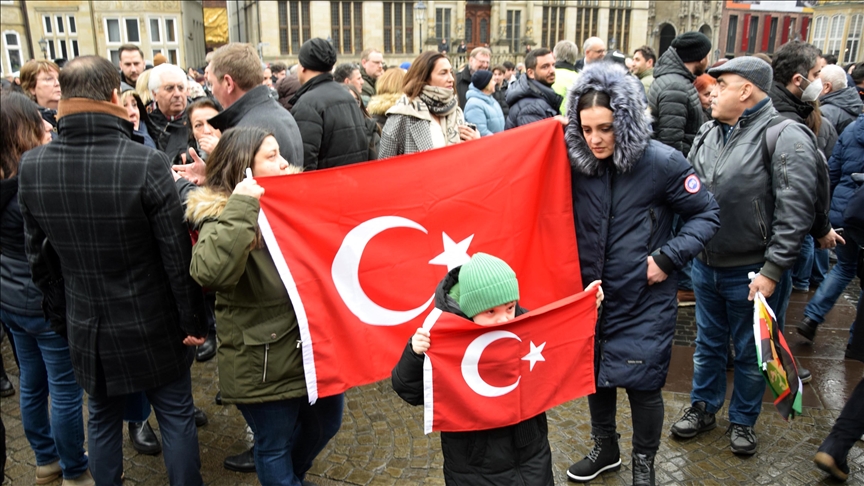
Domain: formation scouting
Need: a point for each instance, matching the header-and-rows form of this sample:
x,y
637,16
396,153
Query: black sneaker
x,y
643,470
695,421
742,439
605,456
807,329
804,374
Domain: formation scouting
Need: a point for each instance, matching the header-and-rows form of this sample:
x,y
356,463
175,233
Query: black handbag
x,y
54,293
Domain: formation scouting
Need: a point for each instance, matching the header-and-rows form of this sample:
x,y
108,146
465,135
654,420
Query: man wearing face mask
x,y
796,86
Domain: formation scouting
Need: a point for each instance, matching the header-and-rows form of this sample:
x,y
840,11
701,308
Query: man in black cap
x,y
677,111
672,98
331,124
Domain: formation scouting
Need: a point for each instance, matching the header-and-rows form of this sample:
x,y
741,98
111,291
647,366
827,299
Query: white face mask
x,y
812,92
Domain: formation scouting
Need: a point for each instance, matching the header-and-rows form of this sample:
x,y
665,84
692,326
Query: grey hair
x,y
156,76
835,75
566,51
586,46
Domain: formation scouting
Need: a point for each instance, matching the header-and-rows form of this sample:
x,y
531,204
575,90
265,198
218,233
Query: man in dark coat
x,y
478,60
331,124
673,99
235,76
372,67
110,209
531,97
167,123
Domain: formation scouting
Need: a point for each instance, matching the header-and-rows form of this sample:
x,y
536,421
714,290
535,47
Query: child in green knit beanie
x,y
486,291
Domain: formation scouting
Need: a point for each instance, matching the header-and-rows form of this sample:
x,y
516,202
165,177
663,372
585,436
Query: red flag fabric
x,y
477,378
361,248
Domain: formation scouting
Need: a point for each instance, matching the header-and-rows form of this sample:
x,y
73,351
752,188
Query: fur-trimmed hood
x,y
203,204
631,121
380,103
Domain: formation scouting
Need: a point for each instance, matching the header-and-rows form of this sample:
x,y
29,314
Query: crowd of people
x,y
690,186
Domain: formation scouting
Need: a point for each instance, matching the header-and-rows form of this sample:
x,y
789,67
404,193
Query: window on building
x,y
514,29
163,37
442,24
586,21
619,25
820,31
399,27
346,20
751,36
112,31
61,33
12,47
553,26
772,34
853,40
132,34
731,34
835,35
294,27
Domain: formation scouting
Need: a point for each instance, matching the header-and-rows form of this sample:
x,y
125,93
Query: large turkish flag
x,y
361,248
482,377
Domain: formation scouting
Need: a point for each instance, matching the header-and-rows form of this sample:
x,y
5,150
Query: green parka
x,y
256,328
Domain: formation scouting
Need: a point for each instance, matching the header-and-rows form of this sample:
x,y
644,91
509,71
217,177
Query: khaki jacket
x,y
256,328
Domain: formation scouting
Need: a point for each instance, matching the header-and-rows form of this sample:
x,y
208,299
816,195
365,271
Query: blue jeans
x,y
722,309
172,403
821,267
289,434
46,372
803,269
835,283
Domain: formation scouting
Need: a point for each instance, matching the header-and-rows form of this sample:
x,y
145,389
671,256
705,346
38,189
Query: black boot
x,y
6,388
243,462
605,456
144,439
200,418
207,350
643,469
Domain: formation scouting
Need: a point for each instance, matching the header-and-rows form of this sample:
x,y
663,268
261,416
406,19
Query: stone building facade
x,y
67,29
838,27
666,20
400,31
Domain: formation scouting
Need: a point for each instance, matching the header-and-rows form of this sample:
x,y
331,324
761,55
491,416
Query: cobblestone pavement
x,y
382,442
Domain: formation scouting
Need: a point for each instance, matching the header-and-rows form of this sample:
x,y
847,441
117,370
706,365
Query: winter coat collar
x,y
474,93
73,106
204,204
525,87
631,121
413,108
787,103
380,103
646,73
310,85
566,65
670,63
846,99
234,113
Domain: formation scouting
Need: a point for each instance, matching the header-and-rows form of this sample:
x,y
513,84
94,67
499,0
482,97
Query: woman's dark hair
x,y
23,129
197,105
592,98
234,153
420,72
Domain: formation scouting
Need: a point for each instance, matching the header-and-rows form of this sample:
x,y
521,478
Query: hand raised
x,y
196,172
420,341
248,187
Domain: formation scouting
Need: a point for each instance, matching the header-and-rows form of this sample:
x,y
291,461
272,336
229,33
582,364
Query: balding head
x,y
90,77
594,49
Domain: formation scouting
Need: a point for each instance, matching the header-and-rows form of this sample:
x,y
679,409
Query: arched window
x,y
853,40
835,35
820,31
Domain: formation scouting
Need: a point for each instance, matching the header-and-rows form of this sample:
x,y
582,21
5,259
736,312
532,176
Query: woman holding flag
x,y
626,189
260,364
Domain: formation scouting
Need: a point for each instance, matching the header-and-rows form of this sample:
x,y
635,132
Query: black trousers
x,y
646,408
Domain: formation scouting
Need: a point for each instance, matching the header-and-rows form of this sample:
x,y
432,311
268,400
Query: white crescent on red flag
x,y
477,378
362,248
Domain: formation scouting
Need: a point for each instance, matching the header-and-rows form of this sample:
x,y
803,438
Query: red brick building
x,y
755,26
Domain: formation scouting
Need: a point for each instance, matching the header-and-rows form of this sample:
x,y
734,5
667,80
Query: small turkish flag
x,y
483,377
361,248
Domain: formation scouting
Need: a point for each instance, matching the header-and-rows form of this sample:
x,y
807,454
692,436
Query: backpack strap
x,y
769,139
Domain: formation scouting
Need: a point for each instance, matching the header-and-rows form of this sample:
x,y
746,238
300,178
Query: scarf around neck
x,y
440,101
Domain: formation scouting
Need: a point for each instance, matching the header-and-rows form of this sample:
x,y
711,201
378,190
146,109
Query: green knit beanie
x,y
486,282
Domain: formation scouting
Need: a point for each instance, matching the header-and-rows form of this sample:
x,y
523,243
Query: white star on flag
x,y
534,356
455,254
